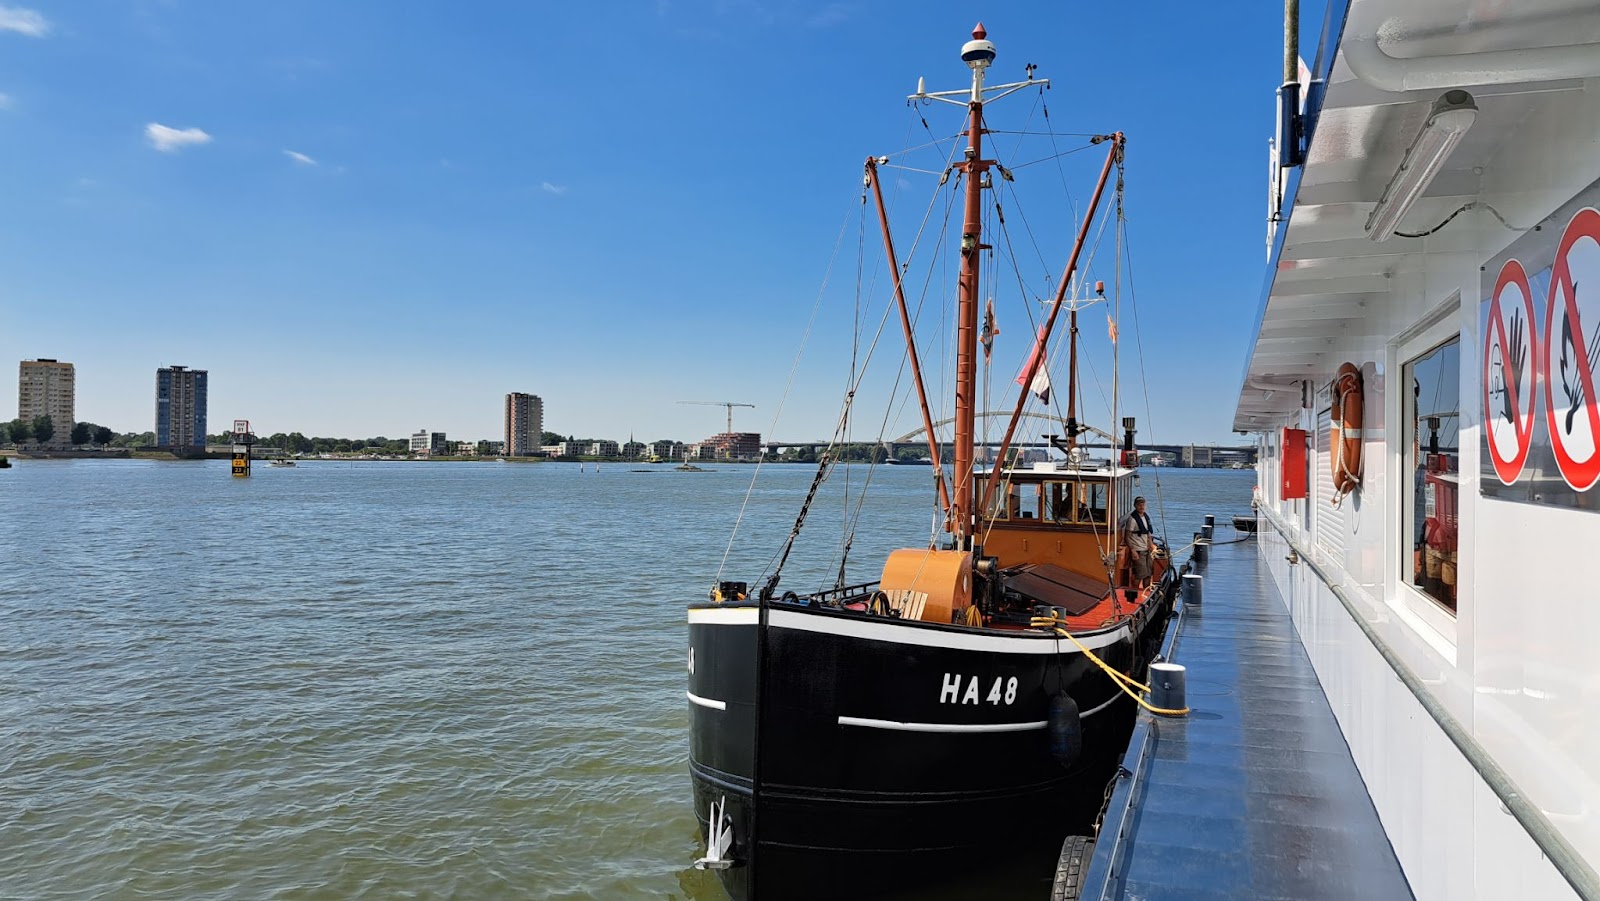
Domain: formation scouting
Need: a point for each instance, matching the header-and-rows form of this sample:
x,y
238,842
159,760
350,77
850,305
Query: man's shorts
x,y
1142,565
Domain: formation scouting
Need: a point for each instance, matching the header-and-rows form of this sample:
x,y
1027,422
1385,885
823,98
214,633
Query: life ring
x,y
1345,439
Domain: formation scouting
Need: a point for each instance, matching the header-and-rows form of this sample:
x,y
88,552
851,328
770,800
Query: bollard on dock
x,y
1168,684
1192,590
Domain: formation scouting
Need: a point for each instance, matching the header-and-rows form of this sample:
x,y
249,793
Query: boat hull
x,y
865,755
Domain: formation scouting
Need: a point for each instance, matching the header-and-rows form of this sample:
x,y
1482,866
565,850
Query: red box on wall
x,y
1294,464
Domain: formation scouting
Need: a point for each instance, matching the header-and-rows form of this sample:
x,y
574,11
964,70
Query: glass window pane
x,y
1432,450
1092,496
1061,502
1026,505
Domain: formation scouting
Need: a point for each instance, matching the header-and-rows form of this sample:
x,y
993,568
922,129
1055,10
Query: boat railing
x,y
831,597
1567,860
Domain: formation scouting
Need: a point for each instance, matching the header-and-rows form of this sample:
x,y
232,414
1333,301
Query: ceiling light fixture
x,y
1449,120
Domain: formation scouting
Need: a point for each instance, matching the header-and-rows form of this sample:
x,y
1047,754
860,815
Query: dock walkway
x,y
1254,794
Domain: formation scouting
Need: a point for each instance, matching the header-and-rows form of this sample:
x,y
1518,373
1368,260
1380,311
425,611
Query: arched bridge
x,y
909,437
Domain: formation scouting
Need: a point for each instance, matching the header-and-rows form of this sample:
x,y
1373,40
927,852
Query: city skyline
x,y
366,217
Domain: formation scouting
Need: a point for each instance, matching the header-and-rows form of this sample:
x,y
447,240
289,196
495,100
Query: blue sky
x,y
368,218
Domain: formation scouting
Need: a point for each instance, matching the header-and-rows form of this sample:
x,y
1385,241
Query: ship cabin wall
x,y
1514,662
1061,518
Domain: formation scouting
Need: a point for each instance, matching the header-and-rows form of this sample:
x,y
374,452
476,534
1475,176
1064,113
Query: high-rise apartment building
x,y
524,424
45,388
180,407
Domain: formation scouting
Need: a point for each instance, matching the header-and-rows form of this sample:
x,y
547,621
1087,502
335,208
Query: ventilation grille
x,y
1327,520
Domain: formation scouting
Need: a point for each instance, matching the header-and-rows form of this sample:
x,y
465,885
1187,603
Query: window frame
x,y
1430,618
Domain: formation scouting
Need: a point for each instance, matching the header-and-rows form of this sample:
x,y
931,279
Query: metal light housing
x,y
1451,116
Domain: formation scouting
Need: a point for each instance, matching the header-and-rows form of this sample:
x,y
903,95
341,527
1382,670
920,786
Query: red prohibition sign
x,y
1513,402
1581,474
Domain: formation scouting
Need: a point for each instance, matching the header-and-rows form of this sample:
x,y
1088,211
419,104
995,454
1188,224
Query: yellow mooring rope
x,y
1123,681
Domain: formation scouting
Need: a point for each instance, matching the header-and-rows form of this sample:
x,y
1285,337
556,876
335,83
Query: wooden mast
x,y
978,54
911,338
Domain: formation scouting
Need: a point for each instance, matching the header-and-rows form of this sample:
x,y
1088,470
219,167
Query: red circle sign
x,y
1570,354
1510,370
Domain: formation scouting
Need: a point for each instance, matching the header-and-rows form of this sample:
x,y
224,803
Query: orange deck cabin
x,y
1059,513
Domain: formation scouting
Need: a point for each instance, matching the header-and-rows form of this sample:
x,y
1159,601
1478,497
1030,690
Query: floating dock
x,y
1254,794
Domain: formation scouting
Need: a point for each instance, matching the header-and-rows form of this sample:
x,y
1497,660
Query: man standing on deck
x,y
1135,528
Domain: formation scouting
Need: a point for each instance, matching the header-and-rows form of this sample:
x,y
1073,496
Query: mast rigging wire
x,y
840,428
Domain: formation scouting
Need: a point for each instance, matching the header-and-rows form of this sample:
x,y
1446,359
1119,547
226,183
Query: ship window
x,y
1061,501
1025,501
1092,501
1432,457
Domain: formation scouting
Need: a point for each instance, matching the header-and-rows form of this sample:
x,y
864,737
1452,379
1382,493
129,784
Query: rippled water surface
x,y
383,680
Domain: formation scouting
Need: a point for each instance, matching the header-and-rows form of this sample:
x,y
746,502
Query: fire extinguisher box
x,y
1294,464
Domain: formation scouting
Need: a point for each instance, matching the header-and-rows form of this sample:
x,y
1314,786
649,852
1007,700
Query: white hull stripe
x,y
960,727
940,727
881,630
726,616
706,702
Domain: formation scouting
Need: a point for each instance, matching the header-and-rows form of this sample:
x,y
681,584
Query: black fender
x,y
1064,729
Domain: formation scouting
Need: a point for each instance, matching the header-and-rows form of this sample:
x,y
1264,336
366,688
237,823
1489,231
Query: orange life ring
x,y
1344,440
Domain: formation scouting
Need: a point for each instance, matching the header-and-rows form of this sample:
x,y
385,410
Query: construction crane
x,y
720,403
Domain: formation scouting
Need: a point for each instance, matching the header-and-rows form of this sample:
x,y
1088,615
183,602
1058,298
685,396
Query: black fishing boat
x,y
968,703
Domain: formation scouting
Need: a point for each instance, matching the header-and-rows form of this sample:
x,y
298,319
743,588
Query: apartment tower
x,y
524,424
45,388
181,407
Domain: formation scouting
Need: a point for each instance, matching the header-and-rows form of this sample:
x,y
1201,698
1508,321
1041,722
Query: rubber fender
x,y
1064,729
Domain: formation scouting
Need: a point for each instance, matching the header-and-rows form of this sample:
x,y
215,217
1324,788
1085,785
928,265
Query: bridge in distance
x,y
1200,455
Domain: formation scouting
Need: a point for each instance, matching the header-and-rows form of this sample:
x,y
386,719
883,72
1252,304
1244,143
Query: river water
x,y
390,680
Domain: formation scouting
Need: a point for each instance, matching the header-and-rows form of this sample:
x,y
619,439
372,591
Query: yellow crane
x,y
720,403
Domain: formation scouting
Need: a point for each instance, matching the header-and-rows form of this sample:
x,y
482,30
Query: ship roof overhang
x,y
1327,284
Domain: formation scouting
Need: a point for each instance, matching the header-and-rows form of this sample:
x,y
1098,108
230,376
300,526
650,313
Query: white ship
x,y
1428,515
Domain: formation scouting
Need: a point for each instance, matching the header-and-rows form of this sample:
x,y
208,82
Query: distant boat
x,y
917,461
284,460
686,466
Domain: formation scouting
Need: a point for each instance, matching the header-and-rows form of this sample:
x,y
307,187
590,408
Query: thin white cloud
x,y
300,158
23,21
5,100
549,188
169,140
830,15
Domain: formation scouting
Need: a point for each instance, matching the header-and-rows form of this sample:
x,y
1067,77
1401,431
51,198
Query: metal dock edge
x,y
1254,794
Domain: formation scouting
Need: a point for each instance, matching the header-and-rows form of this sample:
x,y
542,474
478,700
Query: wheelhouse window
x,y
1074,502
1432,459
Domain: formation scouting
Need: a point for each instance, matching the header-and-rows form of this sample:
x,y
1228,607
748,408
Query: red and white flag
x,y
990,329
1041,378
